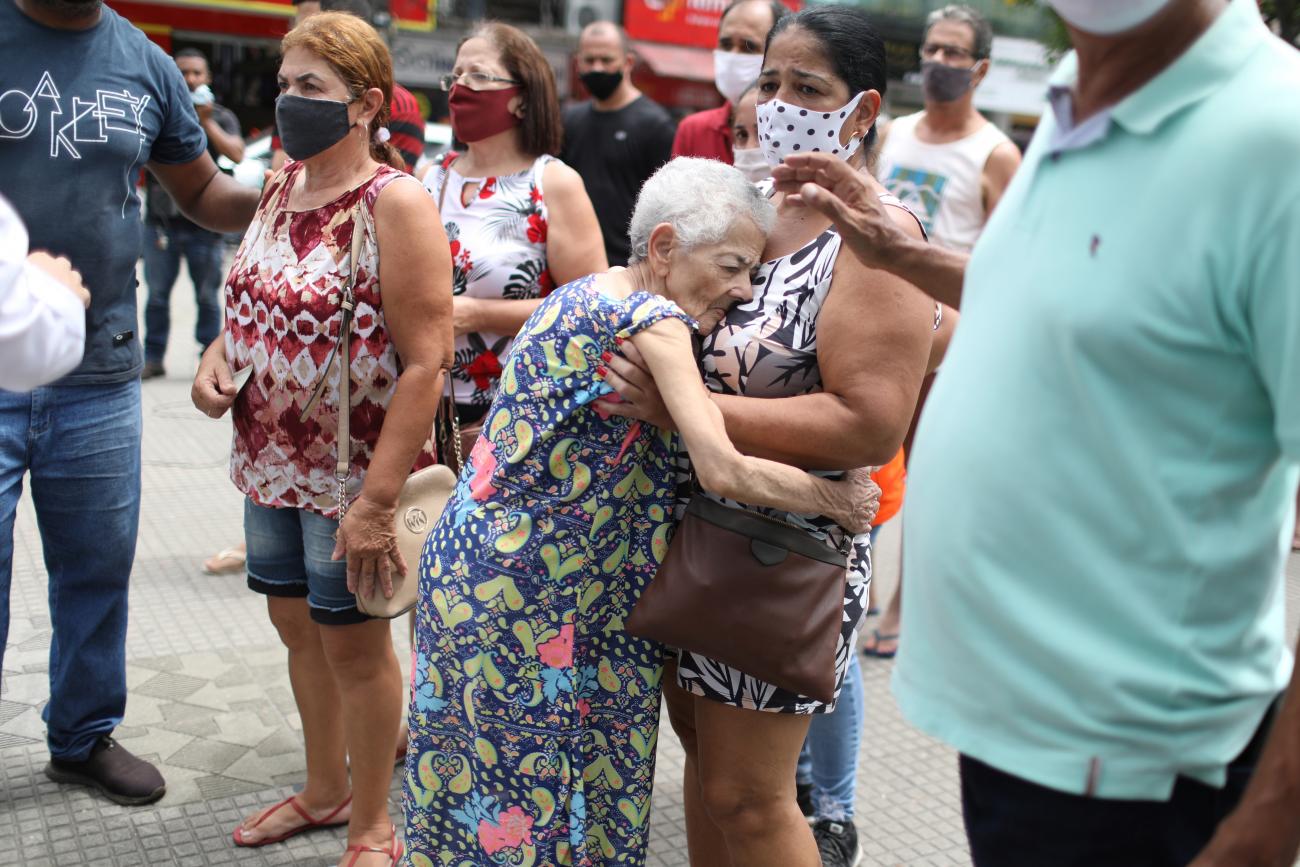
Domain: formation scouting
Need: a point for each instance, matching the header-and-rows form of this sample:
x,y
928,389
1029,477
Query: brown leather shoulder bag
x,y
751,591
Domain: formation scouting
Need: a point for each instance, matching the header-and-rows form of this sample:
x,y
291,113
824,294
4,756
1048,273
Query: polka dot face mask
x,y
785,129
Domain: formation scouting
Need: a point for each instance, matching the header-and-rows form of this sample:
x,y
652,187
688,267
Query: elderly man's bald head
x,y
604,32
603,47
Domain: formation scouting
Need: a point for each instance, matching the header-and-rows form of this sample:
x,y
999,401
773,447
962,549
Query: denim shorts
x,y
289,555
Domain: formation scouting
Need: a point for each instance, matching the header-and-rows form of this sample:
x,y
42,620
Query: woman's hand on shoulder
x,y
574,244
636,394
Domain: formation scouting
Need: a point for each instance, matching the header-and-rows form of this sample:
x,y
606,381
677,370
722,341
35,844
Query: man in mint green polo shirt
x,y
1100,497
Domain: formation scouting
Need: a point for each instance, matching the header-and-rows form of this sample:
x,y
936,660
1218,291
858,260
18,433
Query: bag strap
x,y
450,403
449,406
343,442
446,179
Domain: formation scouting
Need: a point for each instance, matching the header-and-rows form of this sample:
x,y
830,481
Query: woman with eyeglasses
x,y
519,220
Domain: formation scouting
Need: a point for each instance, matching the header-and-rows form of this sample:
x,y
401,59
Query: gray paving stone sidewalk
x,y
210,699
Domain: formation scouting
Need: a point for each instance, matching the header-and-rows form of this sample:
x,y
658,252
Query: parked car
x,y
251,171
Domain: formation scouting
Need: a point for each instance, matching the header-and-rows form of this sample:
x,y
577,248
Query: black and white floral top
x,y
767,347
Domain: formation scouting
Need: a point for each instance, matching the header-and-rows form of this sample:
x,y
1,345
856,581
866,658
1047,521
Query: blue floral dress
x,y
534,715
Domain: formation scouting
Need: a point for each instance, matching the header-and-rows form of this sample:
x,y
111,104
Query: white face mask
x,y
734,72
1107,17
785,129
751,163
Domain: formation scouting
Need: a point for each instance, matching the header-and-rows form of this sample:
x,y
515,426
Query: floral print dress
x,y
498,251
534,715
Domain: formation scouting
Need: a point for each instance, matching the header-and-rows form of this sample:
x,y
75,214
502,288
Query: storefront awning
x,y
675,61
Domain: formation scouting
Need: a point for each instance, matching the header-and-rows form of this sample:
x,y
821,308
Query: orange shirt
x,y
892,479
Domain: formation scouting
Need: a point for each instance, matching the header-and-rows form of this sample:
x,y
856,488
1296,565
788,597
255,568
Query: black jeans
x,y
1012,822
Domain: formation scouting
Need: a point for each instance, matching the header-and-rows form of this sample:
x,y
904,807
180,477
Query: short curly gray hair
x,y
701,199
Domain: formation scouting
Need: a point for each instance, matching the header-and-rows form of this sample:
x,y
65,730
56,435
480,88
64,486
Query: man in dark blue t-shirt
x,y
169,237
86,101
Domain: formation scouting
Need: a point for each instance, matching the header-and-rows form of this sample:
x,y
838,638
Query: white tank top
x,y
940,183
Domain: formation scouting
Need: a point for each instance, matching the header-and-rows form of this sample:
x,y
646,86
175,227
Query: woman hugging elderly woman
x,y
534,712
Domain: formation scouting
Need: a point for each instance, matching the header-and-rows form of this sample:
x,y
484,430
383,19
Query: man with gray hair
x,y
948,163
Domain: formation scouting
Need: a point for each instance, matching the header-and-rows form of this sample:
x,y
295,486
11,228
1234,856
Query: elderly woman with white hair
x,y
534,714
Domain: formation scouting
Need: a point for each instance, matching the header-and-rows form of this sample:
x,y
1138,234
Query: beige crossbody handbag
x,y
424,494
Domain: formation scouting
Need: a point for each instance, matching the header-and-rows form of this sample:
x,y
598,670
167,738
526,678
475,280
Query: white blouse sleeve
x,y
42,323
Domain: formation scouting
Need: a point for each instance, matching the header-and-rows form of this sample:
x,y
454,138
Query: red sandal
x,y
308,822
394,851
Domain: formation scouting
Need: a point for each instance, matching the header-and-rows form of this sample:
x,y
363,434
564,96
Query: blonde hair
x,y
354,50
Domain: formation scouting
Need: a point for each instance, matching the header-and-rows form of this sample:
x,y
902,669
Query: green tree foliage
x,y
1057,37
1284,17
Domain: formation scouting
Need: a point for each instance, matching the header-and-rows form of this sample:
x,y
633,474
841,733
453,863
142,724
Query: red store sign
x,y
679,22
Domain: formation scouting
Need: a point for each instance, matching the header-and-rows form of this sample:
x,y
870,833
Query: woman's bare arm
x,y
492,315
573,249
416,280
873,345
720,468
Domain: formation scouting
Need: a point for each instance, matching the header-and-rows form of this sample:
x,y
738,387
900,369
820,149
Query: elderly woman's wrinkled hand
x,y
368,538
845,196
636,394
859,501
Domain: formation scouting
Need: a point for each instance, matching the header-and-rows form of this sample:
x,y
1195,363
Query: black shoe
x,y
803,797
110,767
837,843
152,369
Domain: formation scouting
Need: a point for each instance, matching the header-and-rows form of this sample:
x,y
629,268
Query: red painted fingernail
x,y
618,340
602,370
607,356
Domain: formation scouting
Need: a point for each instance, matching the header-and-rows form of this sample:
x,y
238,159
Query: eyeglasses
x,y
472,80
931,50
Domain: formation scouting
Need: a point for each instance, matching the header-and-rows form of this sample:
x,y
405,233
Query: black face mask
x,y
309,126
601,84
943,83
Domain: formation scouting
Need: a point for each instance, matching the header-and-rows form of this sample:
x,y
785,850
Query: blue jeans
x,y
163,248
81,444
829,758
290,554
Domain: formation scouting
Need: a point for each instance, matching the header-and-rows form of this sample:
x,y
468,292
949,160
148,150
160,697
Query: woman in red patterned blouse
x,y
283,317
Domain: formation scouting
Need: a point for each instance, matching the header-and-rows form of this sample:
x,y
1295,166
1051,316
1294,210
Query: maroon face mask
x,y
480,114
